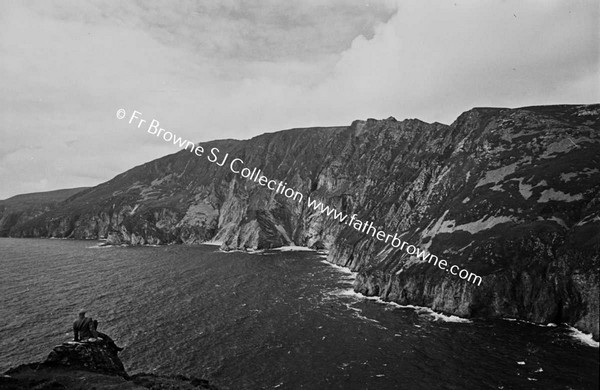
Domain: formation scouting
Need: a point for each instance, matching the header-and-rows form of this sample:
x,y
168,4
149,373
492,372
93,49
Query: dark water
x,y
264,321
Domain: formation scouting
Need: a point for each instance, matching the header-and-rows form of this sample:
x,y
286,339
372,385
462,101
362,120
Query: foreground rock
x,y
73,366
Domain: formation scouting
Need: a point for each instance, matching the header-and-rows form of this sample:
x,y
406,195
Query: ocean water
x,y
272,320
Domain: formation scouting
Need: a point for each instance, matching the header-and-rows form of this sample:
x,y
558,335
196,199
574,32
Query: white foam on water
x,y
100,246
356,311
585,338
357,315
350,293
217,243
340,268
419,309
448,318
104,245
350,307
248,252
293,248
376,323
548,325
232,251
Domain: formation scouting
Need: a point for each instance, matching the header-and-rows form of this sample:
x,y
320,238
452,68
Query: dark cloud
x,y
267,30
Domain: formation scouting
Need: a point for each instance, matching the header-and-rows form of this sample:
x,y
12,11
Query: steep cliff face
x,y
509,194
512,195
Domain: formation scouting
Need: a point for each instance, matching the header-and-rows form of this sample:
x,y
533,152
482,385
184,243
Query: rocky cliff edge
x,y
89,365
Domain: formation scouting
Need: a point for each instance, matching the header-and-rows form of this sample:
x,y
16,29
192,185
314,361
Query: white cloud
x,y
435,59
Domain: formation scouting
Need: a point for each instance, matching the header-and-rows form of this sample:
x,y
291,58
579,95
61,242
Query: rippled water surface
x,y
264,321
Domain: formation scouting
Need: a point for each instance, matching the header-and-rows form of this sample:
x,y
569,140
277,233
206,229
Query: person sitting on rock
x,y
85,328
110,342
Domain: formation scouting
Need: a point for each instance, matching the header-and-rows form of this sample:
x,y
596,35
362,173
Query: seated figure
x,y
85,328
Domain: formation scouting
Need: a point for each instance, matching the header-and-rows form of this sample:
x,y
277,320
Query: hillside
x,y
512,195
20,208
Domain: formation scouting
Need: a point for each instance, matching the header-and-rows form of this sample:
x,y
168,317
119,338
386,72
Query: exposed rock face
x,y
512,195
89,366
86,356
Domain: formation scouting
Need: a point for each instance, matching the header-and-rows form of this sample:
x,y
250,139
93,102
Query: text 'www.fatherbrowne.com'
x,y
237,166
394,240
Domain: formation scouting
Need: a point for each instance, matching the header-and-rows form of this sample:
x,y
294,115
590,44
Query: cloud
x,y
435,59
234,69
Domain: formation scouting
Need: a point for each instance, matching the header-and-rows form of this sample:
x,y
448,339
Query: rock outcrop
x,y
512,195
86,356
89,365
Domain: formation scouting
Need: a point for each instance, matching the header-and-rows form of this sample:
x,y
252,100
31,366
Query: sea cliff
x,y
512,195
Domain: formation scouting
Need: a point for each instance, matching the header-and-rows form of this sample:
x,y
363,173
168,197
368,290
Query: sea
x,y
266,320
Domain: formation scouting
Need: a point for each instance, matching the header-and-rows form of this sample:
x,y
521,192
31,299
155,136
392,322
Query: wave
x,y
339,267
244,251
293,248
100,246
585,338
419,309
217,243
548,325
290,248
105,245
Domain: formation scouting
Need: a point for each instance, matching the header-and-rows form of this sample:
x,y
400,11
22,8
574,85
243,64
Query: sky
x,y
236,69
